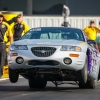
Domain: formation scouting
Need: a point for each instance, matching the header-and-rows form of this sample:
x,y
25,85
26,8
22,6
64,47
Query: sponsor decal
x,y
21,26
43,43
3,26
15,26
92,60
36,29
83,43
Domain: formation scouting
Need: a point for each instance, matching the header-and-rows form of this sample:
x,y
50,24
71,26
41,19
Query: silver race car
x,y
56,54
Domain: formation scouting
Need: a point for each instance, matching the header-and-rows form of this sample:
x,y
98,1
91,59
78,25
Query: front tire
x,y
13,75
99,74
91,84
83,74
37,83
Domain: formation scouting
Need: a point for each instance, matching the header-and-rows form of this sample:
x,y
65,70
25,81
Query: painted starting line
x,y
2,79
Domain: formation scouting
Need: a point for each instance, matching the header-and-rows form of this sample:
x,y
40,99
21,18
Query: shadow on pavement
x,y
26,88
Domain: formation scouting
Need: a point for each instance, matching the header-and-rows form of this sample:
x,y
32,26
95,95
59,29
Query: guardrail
x,y
75,21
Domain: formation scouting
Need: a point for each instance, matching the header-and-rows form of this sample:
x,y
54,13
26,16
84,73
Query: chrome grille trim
x,y
43,51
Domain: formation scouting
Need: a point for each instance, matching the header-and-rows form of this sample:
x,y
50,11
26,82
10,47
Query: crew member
x,y
91,31
5,32
19,28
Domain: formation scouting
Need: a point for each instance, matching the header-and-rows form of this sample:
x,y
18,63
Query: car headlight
x,y
19,47
70,48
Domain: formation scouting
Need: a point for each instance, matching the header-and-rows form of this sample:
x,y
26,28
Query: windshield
x,y
62,34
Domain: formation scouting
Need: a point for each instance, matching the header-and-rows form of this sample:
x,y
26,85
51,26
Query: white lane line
x,y
3,79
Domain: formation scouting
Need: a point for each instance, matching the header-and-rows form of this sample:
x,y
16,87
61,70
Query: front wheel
x,y
99,74
37,83
83,75
91,84
13,75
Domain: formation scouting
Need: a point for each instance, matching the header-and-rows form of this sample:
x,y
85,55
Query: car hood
x,y
46,42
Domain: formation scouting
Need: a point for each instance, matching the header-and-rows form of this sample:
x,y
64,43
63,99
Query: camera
x,y
66,11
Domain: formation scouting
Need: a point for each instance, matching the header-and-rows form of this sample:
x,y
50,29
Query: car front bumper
x,y
77,63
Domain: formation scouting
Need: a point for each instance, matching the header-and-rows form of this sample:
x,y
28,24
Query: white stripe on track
x,y
2,79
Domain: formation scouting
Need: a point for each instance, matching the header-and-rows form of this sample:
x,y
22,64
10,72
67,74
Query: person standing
x,y
19,28
5,32
91,31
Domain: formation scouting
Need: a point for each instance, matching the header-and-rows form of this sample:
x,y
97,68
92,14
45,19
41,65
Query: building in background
x,y
52,7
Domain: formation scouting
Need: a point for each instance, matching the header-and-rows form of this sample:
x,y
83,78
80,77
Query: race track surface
x,y
21,91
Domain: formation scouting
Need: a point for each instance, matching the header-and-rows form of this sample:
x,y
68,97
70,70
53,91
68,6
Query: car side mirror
x,y
16,39
91,42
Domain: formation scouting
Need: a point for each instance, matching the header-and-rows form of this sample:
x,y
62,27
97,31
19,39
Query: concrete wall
x,y
84,7
42,5
77,7
21,5
14,5
44,21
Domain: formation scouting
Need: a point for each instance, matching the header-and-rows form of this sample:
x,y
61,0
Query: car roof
x,y
56,28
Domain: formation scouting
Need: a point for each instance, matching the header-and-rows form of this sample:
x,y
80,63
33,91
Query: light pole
x,y
66,2
29,7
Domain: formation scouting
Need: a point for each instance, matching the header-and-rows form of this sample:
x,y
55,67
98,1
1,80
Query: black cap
x,y
1,15
92,21
19,15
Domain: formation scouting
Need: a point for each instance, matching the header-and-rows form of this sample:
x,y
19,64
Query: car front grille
x,y
49,62
43,51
